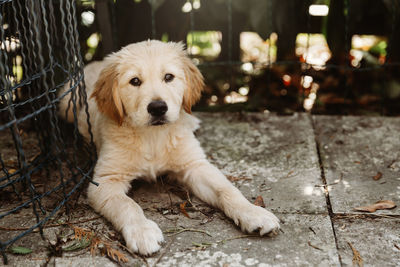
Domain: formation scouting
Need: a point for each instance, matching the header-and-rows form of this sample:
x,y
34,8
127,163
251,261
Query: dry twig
x,y
338,181
236,237
313,246
357,260
176,231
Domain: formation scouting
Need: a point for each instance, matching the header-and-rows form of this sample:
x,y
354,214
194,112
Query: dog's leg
x,y
110,199
211,186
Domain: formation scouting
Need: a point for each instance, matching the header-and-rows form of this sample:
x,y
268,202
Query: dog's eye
x,y
135,81
168,77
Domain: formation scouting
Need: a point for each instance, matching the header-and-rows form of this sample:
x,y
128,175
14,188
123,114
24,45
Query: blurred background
x,y
319,56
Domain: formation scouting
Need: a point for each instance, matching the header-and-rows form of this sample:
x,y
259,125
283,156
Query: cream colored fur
x,y
129,148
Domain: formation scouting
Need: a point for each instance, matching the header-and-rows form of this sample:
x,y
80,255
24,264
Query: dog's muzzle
x,y
157,110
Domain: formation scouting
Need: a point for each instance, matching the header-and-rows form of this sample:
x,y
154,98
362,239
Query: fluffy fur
x,y
130,147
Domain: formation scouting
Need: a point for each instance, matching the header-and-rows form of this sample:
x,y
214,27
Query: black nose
x,y
157,108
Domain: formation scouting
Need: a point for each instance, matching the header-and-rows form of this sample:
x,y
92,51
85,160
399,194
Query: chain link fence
x,y
43,163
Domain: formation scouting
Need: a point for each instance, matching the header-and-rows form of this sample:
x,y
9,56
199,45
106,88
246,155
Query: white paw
x,y
143,237
254,218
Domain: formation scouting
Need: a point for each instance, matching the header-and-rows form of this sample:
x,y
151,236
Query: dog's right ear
x,y
194,84
107,96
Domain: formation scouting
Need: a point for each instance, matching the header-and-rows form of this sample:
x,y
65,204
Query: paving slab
x,y
276,153
212,239
353,151
306,240
377,240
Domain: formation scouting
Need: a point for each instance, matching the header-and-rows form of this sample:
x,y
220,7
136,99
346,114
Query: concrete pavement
x,y
311,171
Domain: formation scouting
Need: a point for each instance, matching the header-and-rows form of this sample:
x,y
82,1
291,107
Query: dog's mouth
x,y
156,121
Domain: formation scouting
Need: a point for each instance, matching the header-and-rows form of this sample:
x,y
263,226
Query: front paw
x,y
254,218
143,237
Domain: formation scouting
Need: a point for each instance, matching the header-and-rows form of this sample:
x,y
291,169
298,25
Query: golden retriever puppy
x,y
140,112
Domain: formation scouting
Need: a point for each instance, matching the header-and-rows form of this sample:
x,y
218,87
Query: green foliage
x,y
20,250
86,3
379,48
205,43
165,37
322,2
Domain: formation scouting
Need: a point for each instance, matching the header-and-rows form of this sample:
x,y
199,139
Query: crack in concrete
x,y
327,198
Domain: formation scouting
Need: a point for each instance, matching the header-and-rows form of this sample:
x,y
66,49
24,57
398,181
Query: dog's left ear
x,y
194,85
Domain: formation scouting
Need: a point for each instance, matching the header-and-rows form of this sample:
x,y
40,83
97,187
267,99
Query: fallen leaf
x,y
207,219
289,173
94,245
85,238
115,254
357,260
81,233
380,205
182,208
235,179
377,176
357,162
259,201
20,250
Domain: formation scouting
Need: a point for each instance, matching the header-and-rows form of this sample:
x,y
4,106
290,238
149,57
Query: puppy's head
x,y
147,84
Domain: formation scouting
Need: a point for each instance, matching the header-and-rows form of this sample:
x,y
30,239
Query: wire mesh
x,y
43,162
